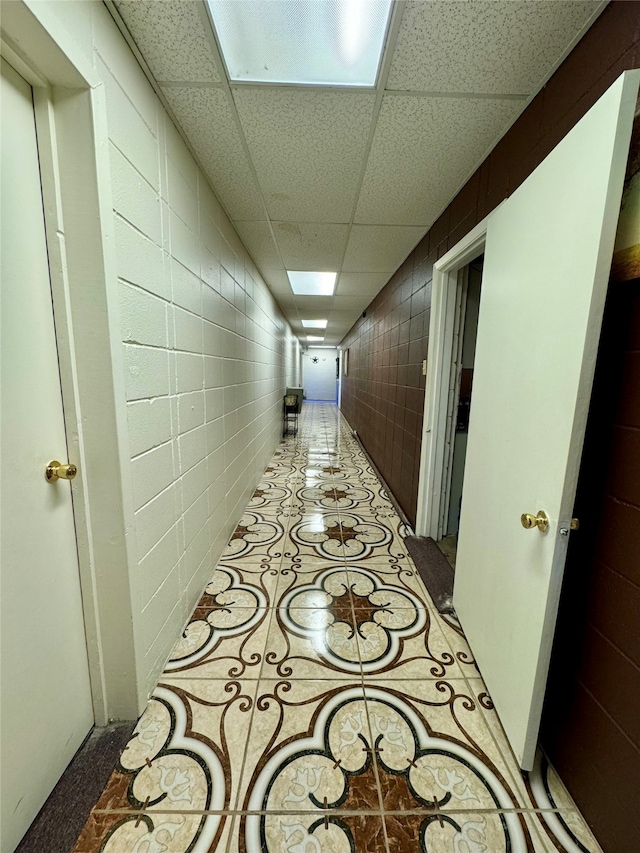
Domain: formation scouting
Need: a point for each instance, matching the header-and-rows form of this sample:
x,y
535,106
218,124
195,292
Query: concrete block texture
x,y
207,353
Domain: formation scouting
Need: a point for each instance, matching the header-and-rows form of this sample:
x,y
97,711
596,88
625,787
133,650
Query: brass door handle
x,y
540,521
55,471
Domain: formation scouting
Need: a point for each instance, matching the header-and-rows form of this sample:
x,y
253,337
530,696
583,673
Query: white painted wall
x,y
319,378
207,352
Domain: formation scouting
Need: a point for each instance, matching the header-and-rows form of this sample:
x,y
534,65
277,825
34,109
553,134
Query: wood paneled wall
x,y
591,724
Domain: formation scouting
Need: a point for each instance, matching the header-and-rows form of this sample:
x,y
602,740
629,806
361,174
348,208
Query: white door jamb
x,y
437,398
71,124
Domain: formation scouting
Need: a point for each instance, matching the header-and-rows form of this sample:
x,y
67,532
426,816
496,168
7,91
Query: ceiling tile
x,y
340,322
307,147
344,315
277,281
350,303
500,47
310,246
379,248
288,300
423,150
257,238
208,122
361,283
316,304
162,32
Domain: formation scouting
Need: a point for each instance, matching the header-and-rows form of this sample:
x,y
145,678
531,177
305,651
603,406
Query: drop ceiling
x,y
349,180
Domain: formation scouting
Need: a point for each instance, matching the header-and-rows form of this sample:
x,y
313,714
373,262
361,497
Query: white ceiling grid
x,y
320,178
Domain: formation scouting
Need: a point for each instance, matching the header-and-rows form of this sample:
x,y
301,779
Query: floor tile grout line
x,y
338,811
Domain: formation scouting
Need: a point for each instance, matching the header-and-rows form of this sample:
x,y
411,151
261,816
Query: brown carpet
x,y
60,820
434,569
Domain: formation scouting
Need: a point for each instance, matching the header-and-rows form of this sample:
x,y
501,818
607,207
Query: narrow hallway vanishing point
x,y
317,701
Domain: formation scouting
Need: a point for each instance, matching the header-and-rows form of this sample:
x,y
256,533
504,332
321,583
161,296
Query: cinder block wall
x,y
207,353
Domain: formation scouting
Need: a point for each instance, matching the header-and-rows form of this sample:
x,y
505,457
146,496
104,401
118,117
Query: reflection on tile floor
x,y
317,702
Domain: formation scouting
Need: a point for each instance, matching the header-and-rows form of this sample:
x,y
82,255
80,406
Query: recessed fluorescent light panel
x,y
305,283
308,42
314,338
314,324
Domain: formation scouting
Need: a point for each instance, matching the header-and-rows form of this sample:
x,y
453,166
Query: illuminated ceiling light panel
x,y
305,283
314,338
314,324
304,42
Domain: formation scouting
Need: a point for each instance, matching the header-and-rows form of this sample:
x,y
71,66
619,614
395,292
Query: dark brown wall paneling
x,y
383,395
591,724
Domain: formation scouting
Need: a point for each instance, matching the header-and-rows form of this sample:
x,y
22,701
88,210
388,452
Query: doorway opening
x,y
461,384
457,283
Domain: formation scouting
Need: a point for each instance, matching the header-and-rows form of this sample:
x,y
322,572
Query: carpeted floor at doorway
x,y
58,824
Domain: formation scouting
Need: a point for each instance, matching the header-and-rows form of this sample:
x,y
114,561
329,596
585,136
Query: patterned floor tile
x,y
457,642
329,833
497,832
151,831
177,767
381,582
343,536
310,740
307,643
317,702
239,585
228,643
433,749
559,822
257,537
325,587
270,495
332,496
403,645
220,713
487,709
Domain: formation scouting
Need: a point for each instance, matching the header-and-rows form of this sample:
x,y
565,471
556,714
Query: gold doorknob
x,y
55,471
540,521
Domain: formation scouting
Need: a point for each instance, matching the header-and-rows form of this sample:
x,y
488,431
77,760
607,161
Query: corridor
x,y
317,701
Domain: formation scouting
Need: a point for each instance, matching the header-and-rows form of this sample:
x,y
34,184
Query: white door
x,y
319,374
547,260
45,693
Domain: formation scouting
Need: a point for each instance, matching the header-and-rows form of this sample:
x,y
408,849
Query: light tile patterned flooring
x,y
317,702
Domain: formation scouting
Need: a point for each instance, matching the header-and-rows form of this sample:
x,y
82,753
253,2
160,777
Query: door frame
x,y
444,325
73,147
